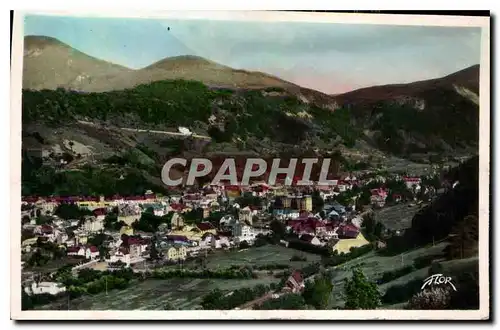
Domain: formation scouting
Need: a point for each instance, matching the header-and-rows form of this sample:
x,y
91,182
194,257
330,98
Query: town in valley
x,y
103,112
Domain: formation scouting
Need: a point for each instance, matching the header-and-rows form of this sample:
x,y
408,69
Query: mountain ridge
x,y
467,77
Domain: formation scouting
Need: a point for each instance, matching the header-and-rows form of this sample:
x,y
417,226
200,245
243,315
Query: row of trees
x,y
229,273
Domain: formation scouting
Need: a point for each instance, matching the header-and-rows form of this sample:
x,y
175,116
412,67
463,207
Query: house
x,y
378,197
52,288
227,221
171,254
245,215
122,254
88,252
177,221
91,224
44,230
295,282
158,209
344,245
128,213
206,227
175,253
137,246
100,213
286,213
311,239
412,182
178,239
347,230
219,242
28,243
306,203
206,212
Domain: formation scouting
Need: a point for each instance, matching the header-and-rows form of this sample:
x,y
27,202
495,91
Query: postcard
x,y
250,165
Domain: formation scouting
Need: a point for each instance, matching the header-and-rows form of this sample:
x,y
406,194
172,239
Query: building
x,y
378,197
412,182
93,224
88,252
121,255
219,242
177,221
206,227
128,213
245,215
306,203
311,239
295,283
243,232
176,253
52,288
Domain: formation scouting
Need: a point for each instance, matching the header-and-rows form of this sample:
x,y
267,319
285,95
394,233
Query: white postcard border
x,y
484,170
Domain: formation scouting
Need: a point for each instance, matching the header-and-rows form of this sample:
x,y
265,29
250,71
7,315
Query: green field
x,y
184,294
263,255
187,293
258,256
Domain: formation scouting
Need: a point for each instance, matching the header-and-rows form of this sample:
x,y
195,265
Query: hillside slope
x,y
439,115
50,64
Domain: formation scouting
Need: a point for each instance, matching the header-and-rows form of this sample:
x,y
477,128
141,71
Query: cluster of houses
x,y
336,227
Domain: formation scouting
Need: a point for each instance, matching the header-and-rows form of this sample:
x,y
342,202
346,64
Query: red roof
x,y
46,229
93,249
177,238
177,206
348,230
136,241
297,276
411,179
205,226
101,211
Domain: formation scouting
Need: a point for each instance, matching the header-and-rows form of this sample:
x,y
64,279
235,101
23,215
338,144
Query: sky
x,y
329,57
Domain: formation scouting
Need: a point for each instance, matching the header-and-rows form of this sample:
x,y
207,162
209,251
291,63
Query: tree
x,y
317,293
244,245
71,211
317,201
378,230
153,253
464,240
360,293
278,228
289,302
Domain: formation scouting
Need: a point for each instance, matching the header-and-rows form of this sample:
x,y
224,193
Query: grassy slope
x,y
374,266
187,293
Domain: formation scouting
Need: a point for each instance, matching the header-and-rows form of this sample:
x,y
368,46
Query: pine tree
x,y
317,293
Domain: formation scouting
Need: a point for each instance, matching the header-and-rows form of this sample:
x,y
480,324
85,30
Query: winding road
x,y
136,130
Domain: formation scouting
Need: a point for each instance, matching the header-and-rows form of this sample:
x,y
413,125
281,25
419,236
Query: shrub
x,y
394,274
298,258
431,298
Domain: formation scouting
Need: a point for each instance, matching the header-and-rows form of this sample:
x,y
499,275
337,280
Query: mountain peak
x,y
42,41
182,60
